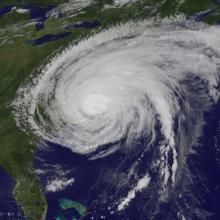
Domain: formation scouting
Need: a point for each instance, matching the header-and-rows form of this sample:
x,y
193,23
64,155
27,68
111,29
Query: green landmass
x,y
68,204
61,217
18,60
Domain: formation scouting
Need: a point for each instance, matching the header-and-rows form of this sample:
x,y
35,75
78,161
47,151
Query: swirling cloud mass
x,y
134,83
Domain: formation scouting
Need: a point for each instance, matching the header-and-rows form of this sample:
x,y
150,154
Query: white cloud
x,y
58,184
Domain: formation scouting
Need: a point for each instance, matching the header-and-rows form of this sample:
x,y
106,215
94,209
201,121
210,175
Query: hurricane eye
x,y
96,105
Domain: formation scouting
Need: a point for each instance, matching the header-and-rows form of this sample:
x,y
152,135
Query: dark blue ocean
x,y
8,207
204,166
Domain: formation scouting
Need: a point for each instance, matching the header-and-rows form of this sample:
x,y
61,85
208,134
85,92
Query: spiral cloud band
x,y
124,84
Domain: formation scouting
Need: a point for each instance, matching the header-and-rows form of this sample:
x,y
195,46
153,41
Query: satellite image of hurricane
x,y
109,110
